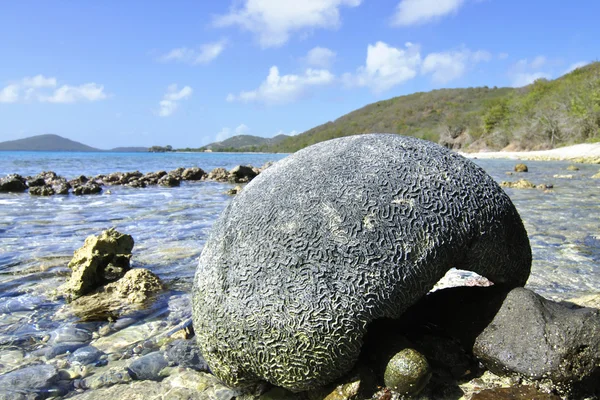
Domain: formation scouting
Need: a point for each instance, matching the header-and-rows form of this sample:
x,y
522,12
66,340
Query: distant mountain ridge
x,y
46,142
51,142
244,143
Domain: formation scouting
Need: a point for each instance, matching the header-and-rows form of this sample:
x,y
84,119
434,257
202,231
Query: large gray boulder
x,y
540,339
335,236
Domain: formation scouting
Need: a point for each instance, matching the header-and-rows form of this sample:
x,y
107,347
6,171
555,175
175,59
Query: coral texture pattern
x,y
335,236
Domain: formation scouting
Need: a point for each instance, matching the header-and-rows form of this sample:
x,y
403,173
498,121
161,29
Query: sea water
x,y
38,235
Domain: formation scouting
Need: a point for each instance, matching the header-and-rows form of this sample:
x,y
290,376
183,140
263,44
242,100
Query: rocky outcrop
x,y
193,174
241,174
87,188
218,174
43,190
520,184
543,340
13,183
101,260
169,181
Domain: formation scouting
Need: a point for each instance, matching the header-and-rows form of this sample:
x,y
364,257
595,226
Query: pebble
x,y
407,372
148,367
86,355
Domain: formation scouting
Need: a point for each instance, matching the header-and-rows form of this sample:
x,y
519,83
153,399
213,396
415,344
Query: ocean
x,y
38,235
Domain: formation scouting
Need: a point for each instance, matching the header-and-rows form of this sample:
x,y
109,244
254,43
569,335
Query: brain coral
x,y
334,236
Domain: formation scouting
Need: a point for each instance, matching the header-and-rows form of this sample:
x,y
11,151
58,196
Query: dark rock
x,y
572,168
80,180
45,190
241,174
540,339
86,355
95,263
35,181
62,348
12,183
521,168
152,177
169,181
514,393
148,367
70,334
338,235
177,173
87,188
218,174
234,191
185,353
30,379
137,183
61,187
193,174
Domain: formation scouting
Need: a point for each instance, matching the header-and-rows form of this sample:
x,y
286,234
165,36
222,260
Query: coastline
x,y
588,153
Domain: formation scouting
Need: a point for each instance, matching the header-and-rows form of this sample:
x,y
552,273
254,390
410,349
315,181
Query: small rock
x,y
572,168
241,174
152,177
185,353
86,355
407,372
596,176
148,367
520,184
544,186
106,379
87,188
192,174
12,183
514,393
169,181
45,190
97,261
177,173
521,168
218,174
234,191
540,339
34,378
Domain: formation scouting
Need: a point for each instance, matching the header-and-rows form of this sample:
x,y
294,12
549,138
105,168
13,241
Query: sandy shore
x,y
586,153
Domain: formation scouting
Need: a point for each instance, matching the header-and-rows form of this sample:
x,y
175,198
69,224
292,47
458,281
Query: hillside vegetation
x,y
239,143
542,115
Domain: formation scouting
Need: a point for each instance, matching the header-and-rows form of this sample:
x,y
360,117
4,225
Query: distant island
x,y
50,142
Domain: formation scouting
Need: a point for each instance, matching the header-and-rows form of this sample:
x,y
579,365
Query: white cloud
x,y
412,12
44,90
171,99
273,21
502,56
280,89
525,78
447,66
226,132
575,66
205,54
538,62
386,67
320,57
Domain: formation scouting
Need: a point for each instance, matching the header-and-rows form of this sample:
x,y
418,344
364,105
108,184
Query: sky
x,y
188,73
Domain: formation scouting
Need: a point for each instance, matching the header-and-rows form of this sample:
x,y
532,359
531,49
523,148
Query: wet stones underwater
x,y
449,344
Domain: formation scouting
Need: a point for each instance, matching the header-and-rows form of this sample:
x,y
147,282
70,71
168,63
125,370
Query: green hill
x,y
542,115
245,143
45,143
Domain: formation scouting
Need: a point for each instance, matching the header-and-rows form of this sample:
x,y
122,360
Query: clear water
x,y
38,235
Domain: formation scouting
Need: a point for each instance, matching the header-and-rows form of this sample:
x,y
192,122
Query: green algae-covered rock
x,y
407,372
335,236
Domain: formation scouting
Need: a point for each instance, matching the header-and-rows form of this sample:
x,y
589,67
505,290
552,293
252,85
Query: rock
x,y
45,190
218,174
234,191
80,180
34,378
169,181
62,348
521,168
572,168
338,235
148,367
192,174
520,184
185,353
544,186
102,259
12,183
514,393
136,286
152,177
87,188
183,385
241,174
108,378
407,372
61,187
540,339
596,176
86,355
177,173
559,176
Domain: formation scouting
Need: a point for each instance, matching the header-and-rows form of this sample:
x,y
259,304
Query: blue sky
x,y
187,73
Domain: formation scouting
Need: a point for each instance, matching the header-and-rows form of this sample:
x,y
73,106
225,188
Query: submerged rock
x,y
44,190
102,259
30,379
148,367
514,393
86,355
12,183
185,353
540,339
335,236
234,191
520,184
572,168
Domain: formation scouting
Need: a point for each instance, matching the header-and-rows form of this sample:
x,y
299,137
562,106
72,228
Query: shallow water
x,y
38,236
